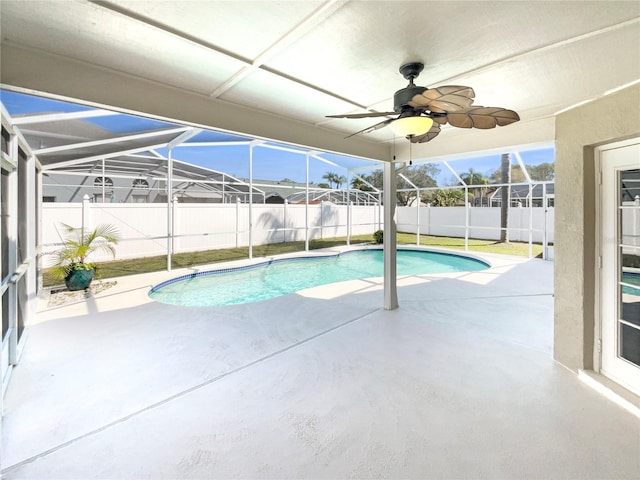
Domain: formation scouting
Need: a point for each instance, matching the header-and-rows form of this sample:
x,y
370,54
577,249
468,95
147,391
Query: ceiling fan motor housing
x,y
402,97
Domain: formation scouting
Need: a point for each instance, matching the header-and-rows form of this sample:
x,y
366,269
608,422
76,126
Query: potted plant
x,y
71,261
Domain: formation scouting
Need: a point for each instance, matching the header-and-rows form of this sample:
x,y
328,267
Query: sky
x,y
268,163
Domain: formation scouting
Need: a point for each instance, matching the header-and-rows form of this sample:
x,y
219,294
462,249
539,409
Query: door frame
x,y
603,273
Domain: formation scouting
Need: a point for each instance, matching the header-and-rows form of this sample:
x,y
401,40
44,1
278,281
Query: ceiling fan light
x,y
411,126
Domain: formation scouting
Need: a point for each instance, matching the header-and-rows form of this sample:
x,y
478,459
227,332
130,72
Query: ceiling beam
x,y
316,17
323,12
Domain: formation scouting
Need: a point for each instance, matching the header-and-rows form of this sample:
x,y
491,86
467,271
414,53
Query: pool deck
x,y
459,382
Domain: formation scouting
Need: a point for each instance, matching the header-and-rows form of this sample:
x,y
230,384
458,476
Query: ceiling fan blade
x,y
482,117
372,128
447,98
363,115
425,137
441,119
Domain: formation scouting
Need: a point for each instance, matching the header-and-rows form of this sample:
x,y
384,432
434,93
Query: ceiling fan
x,y
423,110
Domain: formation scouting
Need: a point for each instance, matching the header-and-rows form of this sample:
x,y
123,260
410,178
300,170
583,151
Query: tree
x,y
505,177
517,176
474,178
420,175
448,197
331,178
339,180
324,185
358,184
543,172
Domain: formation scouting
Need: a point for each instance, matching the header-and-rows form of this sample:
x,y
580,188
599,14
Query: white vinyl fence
x,y
206,226
483,222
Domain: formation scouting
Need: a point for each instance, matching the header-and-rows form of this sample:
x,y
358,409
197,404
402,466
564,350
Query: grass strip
x,y
133,266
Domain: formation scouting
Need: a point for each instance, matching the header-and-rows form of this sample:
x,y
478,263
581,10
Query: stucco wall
x,y
610,119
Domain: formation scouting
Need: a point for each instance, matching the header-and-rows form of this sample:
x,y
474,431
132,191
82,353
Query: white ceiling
x,y
275,69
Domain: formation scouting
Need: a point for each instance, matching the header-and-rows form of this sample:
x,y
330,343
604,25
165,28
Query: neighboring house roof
x,y
522,191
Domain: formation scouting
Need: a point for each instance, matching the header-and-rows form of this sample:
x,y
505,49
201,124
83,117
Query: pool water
x,y
280,277
634,279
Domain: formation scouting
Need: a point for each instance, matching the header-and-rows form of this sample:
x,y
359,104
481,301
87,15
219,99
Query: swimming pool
x,y
633,279
278,277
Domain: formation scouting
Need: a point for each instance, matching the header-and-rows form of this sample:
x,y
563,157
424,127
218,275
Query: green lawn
x,y
118,268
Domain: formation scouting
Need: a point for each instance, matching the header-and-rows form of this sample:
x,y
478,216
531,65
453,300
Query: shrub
x,y
378,236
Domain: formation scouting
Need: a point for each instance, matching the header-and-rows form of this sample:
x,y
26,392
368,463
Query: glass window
x,y
629,274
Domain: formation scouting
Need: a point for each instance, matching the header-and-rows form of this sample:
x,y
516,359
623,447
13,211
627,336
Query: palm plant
x,y
475,178
79,244
331,178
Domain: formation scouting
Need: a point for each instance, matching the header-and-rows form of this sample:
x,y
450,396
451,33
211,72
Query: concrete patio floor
x,y
459,382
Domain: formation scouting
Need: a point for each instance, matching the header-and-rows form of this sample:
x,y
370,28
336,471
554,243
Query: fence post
x,y
284,220
417,216
237,219
321,218
348,222
174,240
86,221
466,218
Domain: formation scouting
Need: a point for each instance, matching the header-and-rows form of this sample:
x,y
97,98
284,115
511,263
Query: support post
x,y
12,238
389,244
545,233
306,205
348,208
169,208
103,181
530,220
251,202
417,216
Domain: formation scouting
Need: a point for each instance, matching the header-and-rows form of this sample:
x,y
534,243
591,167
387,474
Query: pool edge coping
x,y
248,264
